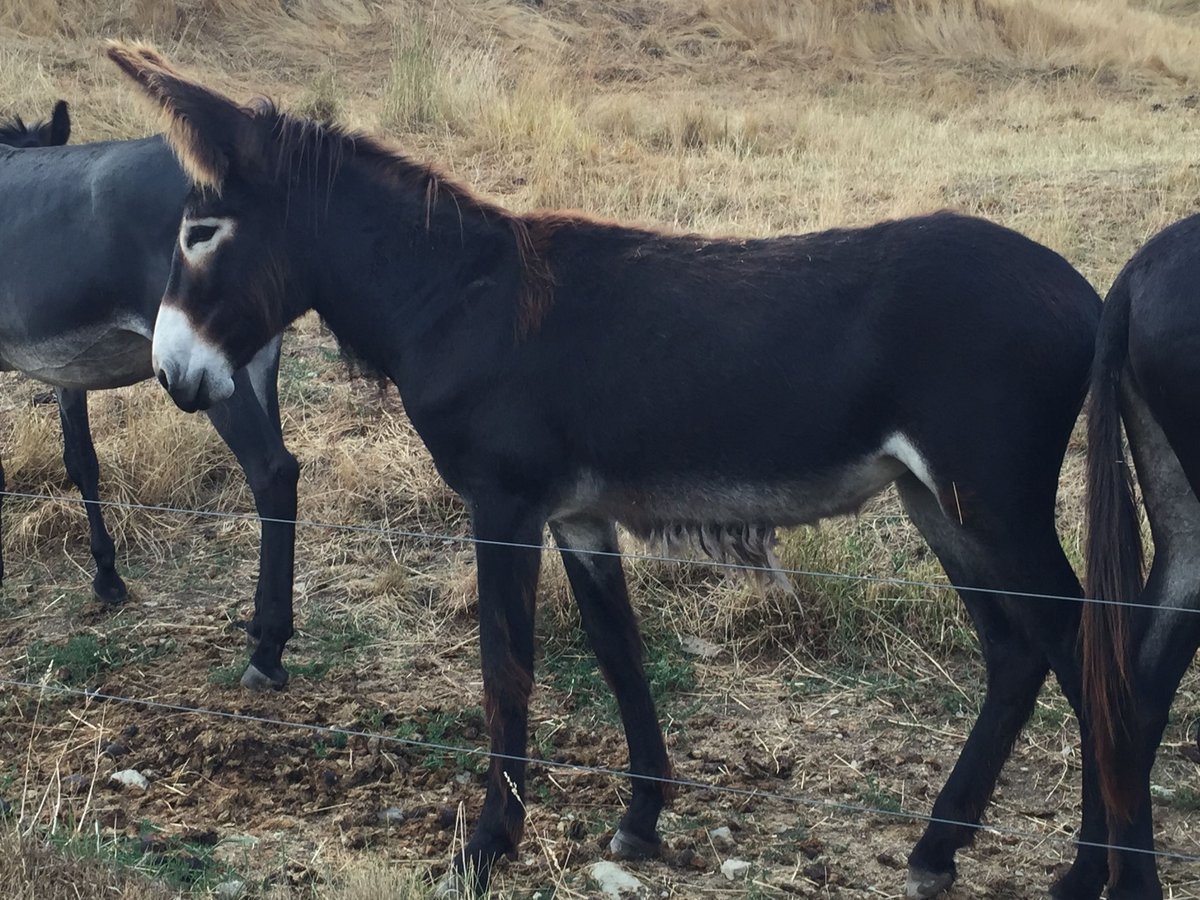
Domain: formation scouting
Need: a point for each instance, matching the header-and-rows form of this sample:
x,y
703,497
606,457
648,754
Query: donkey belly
x,y
105,355
652,508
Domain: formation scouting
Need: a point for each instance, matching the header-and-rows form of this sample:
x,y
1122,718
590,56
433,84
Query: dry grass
x,y
1041,115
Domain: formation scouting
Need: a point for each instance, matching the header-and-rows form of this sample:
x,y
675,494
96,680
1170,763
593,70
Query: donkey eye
x,y
199,234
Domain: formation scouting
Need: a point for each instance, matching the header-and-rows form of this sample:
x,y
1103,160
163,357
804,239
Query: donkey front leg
x,y
598,583
248,421
508,577
79,455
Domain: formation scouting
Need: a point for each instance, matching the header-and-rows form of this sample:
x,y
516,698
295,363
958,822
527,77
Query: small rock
x,y
5,808
329,777
131,731
130,778
698,646
614,881
447,817
393,815
229,890
722,838
733,869
74,784
113,750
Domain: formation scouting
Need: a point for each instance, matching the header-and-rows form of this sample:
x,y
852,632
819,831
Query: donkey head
x,y
53,132
231,274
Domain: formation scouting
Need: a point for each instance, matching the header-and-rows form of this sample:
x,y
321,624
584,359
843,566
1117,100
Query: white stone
x,y
733,869
614,881
229,890
130,778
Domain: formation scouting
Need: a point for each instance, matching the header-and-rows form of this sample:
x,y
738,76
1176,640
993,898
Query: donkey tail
x,y
1114,564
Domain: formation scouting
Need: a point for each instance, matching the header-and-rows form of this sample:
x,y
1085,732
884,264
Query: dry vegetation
x,y
1074,121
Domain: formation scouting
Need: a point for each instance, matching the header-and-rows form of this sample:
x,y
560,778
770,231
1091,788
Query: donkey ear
x,y
208,132
57,131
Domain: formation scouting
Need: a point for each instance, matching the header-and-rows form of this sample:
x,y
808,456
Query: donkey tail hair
x,y
1114,570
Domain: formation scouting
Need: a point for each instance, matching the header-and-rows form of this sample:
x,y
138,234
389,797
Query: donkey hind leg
x,y
248,421
1016,664
598,583
79,455
1165,653
508,577
1168,466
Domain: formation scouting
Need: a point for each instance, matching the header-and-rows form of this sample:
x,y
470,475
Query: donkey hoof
x,y
110,590
626,845
253,679
923,884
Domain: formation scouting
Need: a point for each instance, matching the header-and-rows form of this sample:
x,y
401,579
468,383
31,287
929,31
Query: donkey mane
x,y
316,151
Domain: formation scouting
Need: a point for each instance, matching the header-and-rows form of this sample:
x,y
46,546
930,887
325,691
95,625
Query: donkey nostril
x,y
162,379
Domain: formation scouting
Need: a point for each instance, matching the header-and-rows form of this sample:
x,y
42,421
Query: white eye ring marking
x,y
195,244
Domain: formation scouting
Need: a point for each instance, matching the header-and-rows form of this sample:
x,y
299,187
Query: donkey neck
x,y
413,273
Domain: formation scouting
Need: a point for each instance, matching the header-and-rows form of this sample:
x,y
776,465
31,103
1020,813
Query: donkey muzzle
x,y
195,372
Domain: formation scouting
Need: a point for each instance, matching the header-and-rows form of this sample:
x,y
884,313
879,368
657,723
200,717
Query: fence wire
x,y
858,809
854,809
408,534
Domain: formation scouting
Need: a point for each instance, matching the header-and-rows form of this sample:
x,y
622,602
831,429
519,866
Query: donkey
x,y
580,373
53,132
86,236
1147,375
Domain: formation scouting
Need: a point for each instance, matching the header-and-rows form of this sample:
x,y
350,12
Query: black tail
x,y
1114,565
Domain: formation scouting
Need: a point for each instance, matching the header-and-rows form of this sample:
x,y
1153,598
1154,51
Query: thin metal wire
x,y
642,557
798,799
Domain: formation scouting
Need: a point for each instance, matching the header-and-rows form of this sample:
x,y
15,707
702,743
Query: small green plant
x,y
876,797
84,657
181,863
445,727
572,669
1185,798
226,676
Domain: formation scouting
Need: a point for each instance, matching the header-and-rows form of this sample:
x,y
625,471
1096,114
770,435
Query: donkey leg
x,y
246,423
1015,673
79,455
1166,449
598,583
507,596
1164,654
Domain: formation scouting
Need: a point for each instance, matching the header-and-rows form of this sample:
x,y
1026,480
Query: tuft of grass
x,y
32,868
877,797
448,727
85,657
570,667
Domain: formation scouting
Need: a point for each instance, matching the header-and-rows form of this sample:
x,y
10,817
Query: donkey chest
x,y
107,354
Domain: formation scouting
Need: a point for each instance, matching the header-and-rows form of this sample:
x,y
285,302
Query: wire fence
x,y
402,533
806,800
793,799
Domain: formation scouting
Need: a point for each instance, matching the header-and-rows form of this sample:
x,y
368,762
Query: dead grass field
x,y
1075,121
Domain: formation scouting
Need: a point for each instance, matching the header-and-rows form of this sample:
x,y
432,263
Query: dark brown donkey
x,y
579,373
1147,373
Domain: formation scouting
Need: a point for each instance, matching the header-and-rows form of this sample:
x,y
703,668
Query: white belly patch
x,y
734,522
107,355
